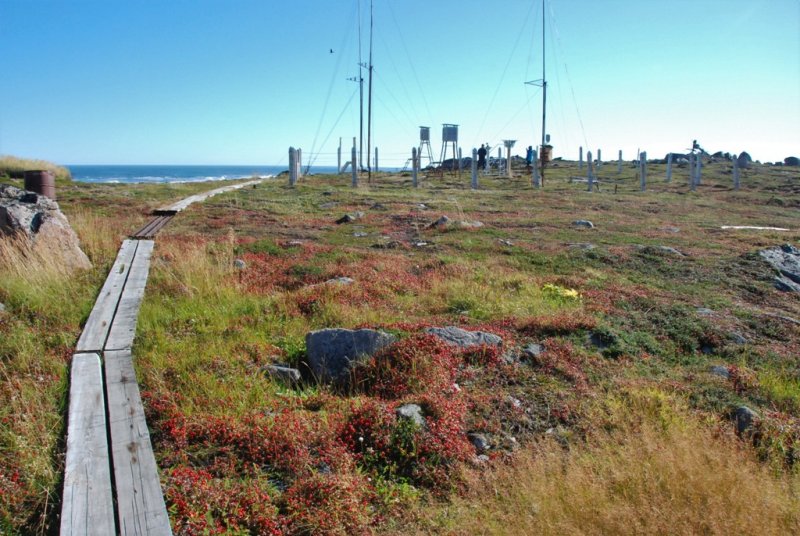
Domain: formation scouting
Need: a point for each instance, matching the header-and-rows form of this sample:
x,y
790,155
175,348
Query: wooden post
x,y
353,156
619,163
535,170
459,161
299,163
474,169
589,171
735,173
699,168
599,158
414,166
339,157
580,157
292,166
499,152
376,159
643,173
508,162
669,168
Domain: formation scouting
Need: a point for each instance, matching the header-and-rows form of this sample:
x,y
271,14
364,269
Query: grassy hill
x,y
654,326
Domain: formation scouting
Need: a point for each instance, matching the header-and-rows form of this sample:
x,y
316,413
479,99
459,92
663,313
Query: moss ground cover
x,y
631,315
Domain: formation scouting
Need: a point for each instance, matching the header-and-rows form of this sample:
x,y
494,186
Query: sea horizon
x,y
177,173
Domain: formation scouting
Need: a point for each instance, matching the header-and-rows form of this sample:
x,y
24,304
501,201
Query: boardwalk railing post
x,y
643,171
459,162
692,173
535,170
619,163
414,166
669,167
735,173
292,166
599,159
353,164
580,157
376,159
589,171
474,169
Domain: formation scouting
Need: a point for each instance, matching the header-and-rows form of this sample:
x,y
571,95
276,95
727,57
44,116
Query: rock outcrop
x,y
786,260
38,223
464,339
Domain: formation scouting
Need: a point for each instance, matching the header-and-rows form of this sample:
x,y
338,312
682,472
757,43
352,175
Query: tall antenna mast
x,y
369,100
360,96
542,83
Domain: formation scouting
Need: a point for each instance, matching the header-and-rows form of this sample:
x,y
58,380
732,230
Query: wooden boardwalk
x,y
111,483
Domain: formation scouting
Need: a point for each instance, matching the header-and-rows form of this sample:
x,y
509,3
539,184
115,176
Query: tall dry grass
x,y
12,165
648,469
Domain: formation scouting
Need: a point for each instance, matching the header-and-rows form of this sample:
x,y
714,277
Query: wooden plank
x,y
87,504
140,500
197,198
123,326
95,331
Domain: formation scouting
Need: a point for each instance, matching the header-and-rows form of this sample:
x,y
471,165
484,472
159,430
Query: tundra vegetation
x,y
653,328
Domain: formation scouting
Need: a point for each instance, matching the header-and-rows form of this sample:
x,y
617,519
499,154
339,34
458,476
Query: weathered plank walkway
x,y
111,483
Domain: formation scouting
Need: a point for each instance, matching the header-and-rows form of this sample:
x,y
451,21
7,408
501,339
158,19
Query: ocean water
x,y
176,173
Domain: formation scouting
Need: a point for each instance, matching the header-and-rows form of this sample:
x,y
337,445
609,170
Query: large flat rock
x,y
331,352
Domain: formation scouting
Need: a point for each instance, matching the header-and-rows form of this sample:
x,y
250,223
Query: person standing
x,y
529,158
482,157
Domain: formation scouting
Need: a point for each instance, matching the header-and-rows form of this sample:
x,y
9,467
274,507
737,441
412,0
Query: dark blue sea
x,y
176,173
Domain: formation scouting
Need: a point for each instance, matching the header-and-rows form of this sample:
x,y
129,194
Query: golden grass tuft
x,y
12,165
649,468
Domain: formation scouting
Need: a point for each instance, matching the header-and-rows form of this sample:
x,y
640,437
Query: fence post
x,y
474,169
692,173
599,158
643,172
619,163
353,164
699,168
339,157
589,171
535,170
414,165
376,159
292,166
735,173
669,167
299,163
580,157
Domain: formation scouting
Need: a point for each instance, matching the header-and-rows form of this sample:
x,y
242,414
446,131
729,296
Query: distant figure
x,y
529,158
482,157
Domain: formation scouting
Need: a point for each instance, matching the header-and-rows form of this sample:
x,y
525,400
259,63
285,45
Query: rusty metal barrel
x,y
42,182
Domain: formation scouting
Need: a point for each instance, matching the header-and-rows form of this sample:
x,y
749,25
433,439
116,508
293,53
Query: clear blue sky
x,y
238,82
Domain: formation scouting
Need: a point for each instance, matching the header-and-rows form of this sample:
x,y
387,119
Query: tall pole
x,y
360,96
369,100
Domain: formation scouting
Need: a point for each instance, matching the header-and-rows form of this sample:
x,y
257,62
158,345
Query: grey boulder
x,y
586,224
745,418
411,412
330,353
786,260
464,339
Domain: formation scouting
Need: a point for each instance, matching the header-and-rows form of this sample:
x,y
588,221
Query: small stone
x,y
288,375
720,370
442,222
422,206
420,244
464,339
470,224
359,234
340,281
532,352
393,244
350,218
583,223
586,246
505,242
671,229
294,243
744,419
513,402
411,412
377,206
737,338
671,251
328,205
703,311
510,358
239,264
479,441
